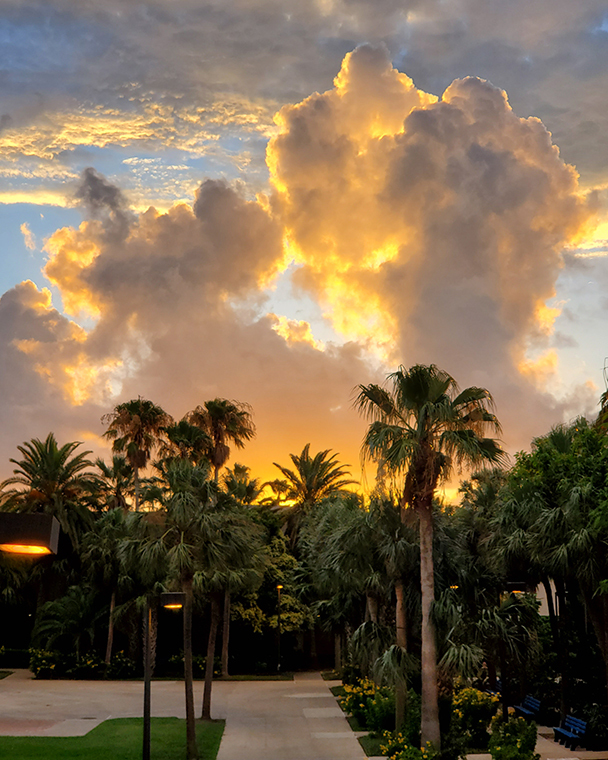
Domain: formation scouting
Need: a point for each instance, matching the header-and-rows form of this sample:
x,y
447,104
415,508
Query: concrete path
x,y
265,720
285,720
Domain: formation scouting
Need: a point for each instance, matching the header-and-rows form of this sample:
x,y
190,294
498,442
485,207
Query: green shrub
x,y
45,664
120,667
356,698
513,740
380,715
397,747
89,667
472,711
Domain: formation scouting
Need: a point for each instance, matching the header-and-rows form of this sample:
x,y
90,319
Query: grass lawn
x,y
5,673
119,739
371,745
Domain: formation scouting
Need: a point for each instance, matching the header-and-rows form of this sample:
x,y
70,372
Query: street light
x,y
28,533
172,600
279,587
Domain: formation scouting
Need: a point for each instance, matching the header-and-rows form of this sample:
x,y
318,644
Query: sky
x,y
274,202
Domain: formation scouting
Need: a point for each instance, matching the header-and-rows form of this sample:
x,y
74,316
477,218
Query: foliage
x,y
120,667
371,706
514,739
223,422
52,479
312,480
45,664
398,747
472,712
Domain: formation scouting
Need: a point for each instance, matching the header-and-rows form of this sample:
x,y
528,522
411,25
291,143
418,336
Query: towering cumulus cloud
x,y
428,229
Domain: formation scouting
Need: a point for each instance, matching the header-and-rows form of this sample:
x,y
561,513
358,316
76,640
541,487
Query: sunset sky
x,y
274,201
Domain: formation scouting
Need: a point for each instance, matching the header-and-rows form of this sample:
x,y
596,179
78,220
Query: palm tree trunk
x,y
136,484
110,640
215,616
401,641
429,726
372,607
338,651
191,746
225,632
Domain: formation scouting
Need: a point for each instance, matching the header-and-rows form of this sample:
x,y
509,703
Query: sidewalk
x,y
265,720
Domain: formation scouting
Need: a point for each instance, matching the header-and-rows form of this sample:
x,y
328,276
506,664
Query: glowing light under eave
x,y
24,549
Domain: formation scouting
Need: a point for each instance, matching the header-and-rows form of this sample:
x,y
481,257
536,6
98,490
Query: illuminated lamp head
x,y
28,534
172,600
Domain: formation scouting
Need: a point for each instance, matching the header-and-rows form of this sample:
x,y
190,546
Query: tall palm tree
x,y
225,422
422,426
313,479
55,480
136,427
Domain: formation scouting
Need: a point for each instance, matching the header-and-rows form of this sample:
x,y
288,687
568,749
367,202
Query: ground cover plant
x,y
120,739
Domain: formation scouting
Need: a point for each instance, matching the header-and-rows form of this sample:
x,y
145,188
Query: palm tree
x,y
115,482
423,426
225,422
136,427
100,557
312,480
53,479
185,441
240,485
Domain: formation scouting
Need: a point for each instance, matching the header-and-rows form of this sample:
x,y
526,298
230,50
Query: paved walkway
x,y
265,720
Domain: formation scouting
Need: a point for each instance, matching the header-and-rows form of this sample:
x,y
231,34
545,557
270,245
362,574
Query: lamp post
x,y
279,587
175,600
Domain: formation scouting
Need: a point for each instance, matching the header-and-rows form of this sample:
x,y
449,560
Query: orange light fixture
x,y
28,534
279,587
24,549
172,600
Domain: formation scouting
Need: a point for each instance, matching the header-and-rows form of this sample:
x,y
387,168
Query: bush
x,y
356,698
372,706
397,747
472,711
120,667
45,664
351,675
513,740
89,667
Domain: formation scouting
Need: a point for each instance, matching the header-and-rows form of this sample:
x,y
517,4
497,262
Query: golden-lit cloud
x,y
70,252
295,331
430,230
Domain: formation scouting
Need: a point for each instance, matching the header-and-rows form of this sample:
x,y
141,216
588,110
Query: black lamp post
x,y
279,587
171,600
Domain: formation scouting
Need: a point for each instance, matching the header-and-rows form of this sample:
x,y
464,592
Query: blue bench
x,y
570,732
529,708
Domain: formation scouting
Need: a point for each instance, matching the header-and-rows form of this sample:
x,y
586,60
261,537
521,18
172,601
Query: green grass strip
x,y
119,739
371,745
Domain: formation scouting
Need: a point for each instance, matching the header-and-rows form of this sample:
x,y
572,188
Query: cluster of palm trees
x,y
411,586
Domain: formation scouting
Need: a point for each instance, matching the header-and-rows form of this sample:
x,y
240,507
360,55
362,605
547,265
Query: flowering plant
x,y
514,739
472,711
398,748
